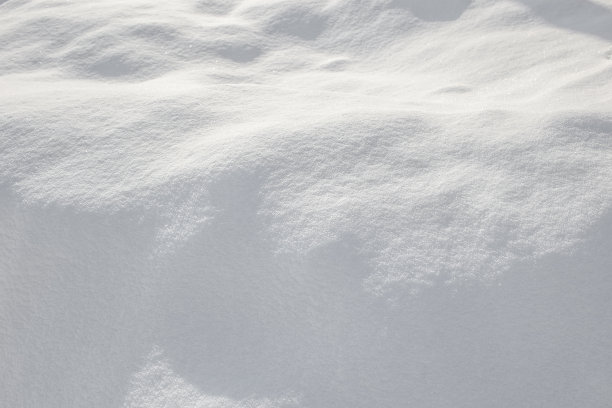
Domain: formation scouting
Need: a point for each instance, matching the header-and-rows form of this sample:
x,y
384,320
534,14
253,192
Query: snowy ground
x,y
313,204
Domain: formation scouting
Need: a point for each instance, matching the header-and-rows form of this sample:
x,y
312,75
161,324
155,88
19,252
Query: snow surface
x,y
342,203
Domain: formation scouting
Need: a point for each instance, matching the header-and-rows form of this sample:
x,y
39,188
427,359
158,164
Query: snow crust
x,y
273,203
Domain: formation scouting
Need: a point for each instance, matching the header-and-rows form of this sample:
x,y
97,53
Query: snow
x,y
274,203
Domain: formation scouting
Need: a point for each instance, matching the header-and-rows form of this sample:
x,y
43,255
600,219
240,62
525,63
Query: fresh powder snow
x,y
306,203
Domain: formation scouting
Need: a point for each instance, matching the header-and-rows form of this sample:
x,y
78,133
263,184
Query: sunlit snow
x,y
309,204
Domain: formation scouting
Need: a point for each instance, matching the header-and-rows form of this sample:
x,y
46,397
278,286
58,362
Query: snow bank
x,y
266,203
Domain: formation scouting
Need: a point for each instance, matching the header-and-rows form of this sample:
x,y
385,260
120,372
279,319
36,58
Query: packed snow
x,y
309,204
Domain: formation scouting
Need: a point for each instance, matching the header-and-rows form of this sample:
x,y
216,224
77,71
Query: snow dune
x,y
273,203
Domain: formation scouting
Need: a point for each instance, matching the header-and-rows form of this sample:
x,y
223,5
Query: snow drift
x,y
266,203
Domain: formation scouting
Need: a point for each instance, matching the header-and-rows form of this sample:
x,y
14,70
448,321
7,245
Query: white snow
x,y
313,204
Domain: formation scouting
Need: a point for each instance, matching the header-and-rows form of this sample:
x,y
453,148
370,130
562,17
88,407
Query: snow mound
x,y
272,203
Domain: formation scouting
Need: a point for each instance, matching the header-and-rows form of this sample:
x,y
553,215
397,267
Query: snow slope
x,y
274,203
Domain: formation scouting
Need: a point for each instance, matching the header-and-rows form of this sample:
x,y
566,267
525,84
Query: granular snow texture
x,y
310,204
